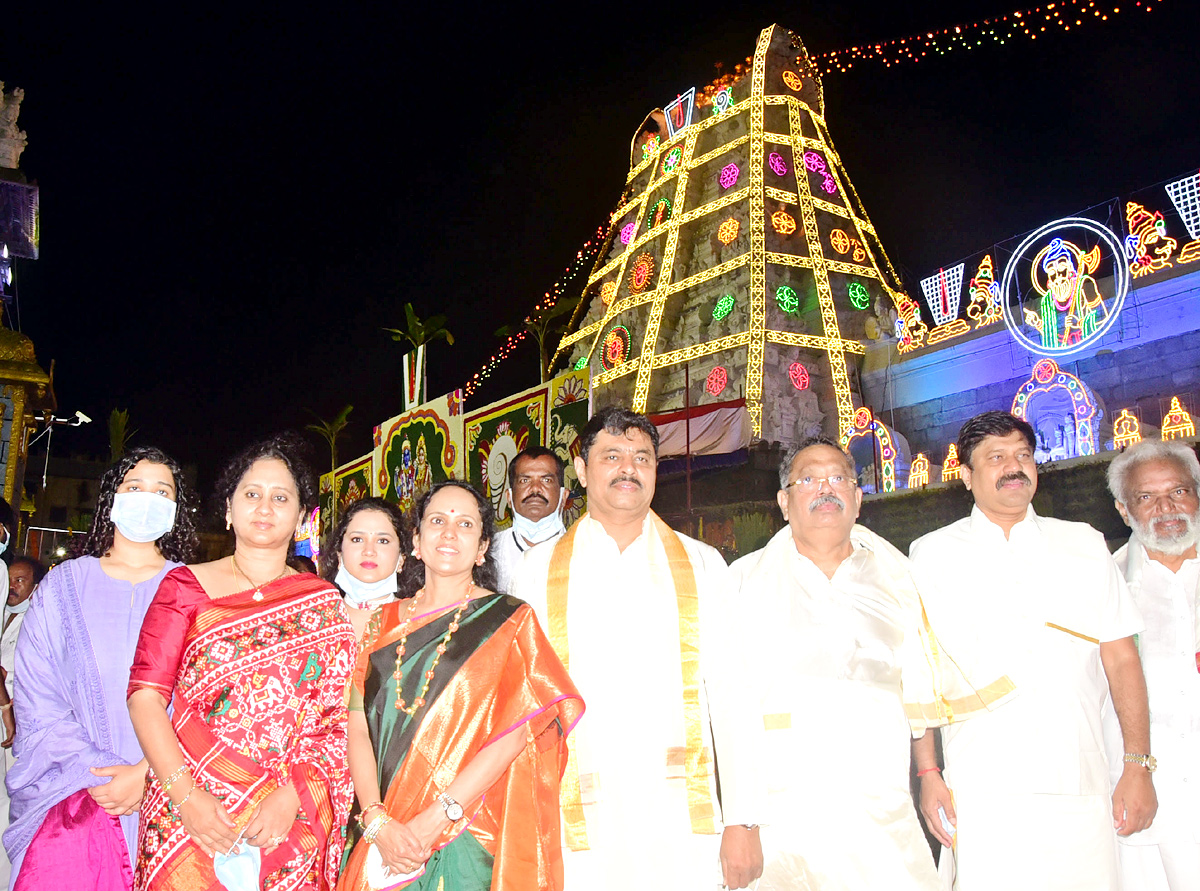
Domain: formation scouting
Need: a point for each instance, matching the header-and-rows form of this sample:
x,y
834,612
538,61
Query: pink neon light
x,y
729,175
627,232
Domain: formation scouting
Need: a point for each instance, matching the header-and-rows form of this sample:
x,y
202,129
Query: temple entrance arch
x,y
1063,411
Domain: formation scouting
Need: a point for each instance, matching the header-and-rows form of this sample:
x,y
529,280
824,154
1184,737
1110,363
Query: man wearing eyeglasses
x,y
1040,602
829,621
1154,484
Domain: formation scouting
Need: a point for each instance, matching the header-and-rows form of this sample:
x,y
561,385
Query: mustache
x,y
824,500
1014,477
627,479
532,496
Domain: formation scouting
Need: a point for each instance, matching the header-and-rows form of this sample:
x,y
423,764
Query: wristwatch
x,y
454,811
1147,761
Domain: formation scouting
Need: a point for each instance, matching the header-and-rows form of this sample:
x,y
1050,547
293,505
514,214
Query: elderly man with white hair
x,y
1155,484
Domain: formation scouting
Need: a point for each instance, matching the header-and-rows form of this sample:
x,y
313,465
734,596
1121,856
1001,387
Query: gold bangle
x,y
363,812
174,778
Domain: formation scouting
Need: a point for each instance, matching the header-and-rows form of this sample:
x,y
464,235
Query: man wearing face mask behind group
x,y
537,495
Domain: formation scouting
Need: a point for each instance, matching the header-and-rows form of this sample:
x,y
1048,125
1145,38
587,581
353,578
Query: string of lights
x,y
1032,23
584,258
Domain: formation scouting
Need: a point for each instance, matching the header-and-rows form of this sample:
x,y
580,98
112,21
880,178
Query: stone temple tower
x,y
741,250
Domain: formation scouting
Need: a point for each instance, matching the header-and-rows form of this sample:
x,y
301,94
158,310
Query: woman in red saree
x,y
255,658
459,716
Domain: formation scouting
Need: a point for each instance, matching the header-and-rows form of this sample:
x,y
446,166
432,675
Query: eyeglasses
x,y
837,482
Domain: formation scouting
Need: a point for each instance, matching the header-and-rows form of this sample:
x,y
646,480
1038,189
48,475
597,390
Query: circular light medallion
x,y
643,269
728,230
783,222
582,363
659,213
839,240
717,379
627,232
608,291
799,376
616,347
671,161
793,81
777,164
860,298
729,175
1050,293
787,299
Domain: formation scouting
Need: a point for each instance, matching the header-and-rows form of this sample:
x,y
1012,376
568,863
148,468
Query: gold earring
x,y
228,524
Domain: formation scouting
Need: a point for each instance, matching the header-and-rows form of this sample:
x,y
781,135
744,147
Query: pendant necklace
x,y
398,674
258,594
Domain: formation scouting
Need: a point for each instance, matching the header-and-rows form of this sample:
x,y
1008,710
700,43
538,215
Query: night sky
x,y
234,203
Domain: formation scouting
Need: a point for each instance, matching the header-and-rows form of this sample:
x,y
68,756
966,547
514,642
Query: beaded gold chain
x,y
398,674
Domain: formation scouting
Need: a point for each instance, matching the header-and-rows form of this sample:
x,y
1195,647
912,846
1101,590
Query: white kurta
x,y
831,658
508,550
1030,779
623,634
1168,645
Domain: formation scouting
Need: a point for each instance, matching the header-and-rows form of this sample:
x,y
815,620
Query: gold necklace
x,y
258,594
398,674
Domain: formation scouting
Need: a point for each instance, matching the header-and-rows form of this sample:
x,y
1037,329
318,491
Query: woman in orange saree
x,y
460,712
249,774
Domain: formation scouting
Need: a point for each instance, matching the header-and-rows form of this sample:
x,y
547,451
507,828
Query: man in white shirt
x,y
536,494
622,598
1155,484
838,679
1041,602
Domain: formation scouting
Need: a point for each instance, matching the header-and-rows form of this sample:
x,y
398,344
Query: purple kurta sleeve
x,y
61,717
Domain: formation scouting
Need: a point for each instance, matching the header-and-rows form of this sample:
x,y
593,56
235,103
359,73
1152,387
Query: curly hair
x,y
329,556
412,576
286,447
177,545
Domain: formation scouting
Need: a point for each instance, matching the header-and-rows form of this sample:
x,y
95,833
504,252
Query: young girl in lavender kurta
x,y
77,783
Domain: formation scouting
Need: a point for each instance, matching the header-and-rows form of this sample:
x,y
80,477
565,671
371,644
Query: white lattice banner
x,y
942,293
1185,195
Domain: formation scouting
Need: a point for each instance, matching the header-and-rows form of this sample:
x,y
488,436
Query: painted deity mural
x,y
417,449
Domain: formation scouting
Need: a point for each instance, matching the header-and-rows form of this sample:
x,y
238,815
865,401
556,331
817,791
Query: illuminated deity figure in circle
x,y
1069,294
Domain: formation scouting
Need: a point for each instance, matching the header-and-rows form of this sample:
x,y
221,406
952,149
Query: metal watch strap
x,y
1147,761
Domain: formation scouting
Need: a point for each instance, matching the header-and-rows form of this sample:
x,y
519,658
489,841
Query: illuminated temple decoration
x,y
1177,423
1147,246
1185,195
761,208
864,424
1126,429
950,467
1061,410
985,295
943,292
918,473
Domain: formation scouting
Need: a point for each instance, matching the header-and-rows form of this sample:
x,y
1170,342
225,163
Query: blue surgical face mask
x,y
143,516
547,527
239,869
362,594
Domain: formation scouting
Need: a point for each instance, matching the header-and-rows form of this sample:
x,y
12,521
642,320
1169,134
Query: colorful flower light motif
x,y
729,175
860,298
1177,423
985,294
839,240
777,164
724,307
616,347
650,146
816,164
643,270
722,101
608,291
728,230
950,467
787,299
581,363
798,375
627,232
1147,246
783,222
671,161
1127,429
717,379
659,213
793,81
918,473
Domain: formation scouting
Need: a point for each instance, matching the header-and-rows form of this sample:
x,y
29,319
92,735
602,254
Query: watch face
x,y
454,811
